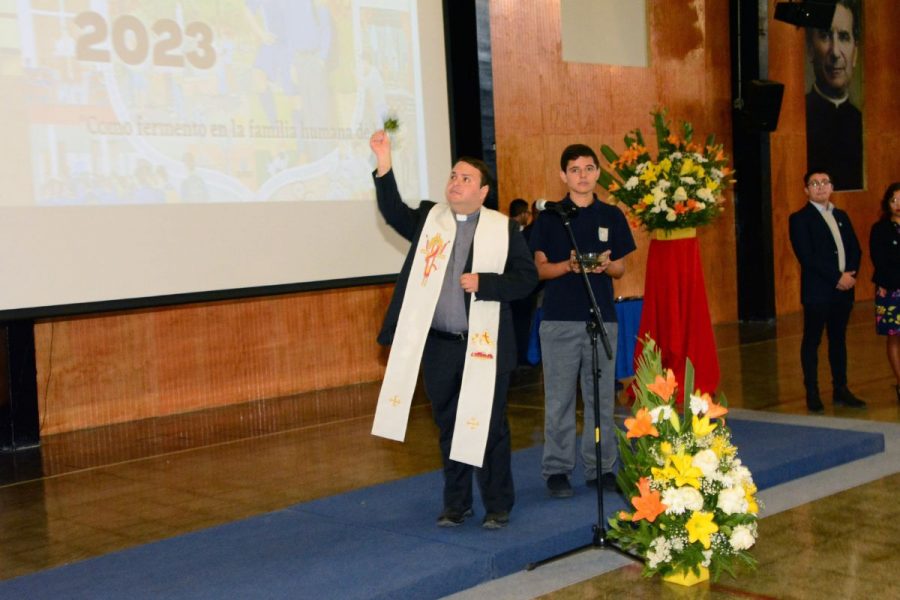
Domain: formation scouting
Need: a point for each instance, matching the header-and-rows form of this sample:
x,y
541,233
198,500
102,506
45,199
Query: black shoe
x,y
453,518
559,486
844,397
495,520
608,482
814,403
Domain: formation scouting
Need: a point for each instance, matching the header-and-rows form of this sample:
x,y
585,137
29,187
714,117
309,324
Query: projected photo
x,y
206,101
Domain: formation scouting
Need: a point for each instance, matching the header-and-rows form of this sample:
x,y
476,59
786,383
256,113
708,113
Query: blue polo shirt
x,y
597,228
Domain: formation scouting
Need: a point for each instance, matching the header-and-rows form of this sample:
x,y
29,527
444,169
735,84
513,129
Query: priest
x,y
450,315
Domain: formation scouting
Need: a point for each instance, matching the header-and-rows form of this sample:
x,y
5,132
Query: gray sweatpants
x,y
566,355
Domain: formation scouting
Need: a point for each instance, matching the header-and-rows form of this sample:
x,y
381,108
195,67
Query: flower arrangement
x,y
681,188
695,505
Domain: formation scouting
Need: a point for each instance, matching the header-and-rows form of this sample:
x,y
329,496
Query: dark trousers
x,y
833,317
442,366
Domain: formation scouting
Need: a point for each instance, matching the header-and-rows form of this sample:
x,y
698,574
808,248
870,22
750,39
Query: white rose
x,y
680,194
742,537
671,216
631,183
706,461
661,413
699,406
658,552
688,180
732,500
678,500
705,195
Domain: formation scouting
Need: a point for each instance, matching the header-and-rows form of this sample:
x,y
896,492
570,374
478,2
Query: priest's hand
x,y
380,143
469,282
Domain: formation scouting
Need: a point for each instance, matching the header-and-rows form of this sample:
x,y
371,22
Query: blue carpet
x,y
381,541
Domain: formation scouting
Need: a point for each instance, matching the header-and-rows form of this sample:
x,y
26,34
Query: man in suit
x,y
441,298
829,254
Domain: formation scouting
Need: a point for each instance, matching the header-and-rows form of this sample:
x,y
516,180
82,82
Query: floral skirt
x,y
887,311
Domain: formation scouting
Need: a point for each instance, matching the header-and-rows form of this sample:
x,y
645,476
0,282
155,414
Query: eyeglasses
x,y
819,184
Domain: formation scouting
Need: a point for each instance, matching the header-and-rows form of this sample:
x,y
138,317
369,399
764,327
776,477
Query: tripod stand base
x,y
600,541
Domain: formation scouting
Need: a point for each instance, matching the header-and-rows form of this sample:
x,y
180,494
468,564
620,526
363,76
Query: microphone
x,y
559,208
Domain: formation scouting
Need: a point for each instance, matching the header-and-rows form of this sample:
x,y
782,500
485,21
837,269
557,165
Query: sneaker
x,y
453,518
495,520
559,486
844,397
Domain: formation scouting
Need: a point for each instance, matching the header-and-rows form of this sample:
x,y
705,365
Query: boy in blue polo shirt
x,y
565,343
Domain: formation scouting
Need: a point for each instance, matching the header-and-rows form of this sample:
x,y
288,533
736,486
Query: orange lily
x,y
715,410
640,425
648,504
664,388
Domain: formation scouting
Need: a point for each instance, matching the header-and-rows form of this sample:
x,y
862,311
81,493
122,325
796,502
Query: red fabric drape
x,y
676,312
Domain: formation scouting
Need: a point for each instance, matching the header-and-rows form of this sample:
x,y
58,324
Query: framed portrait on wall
x,y
834,98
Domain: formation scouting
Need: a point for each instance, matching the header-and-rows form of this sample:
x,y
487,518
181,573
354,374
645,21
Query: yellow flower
x,y
665,165
702,426
648,199
686,167
649,175
664,474
666,448
722,447
700,528
711,184
699,172
752,505
685,471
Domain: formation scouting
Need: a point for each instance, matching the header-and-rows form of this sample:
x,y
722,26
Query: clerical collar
x,y
836,101
464,218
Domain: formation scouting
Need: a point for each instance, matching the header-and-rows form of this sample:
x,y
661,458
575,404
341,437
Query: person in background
x,y
829,254
884,246
518,212
523,308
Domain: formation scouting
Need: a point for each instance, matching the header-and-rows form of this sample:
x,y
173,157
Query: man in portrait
x,y
834,138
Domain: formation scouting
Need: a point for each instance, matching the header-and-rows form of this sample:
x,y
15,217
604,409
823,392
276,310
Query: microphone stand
x,y
596,329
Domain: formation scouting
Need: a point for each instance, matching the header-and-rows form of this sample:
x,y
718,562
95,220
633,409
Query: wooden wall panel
x,y
542,104
104,369
881,122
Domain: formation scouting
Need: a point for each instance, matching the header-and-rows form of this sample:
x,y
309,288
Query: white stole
x,y
476,396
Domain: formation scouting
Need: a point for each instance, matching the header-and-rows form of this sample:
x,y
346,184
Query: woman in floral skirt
x,y
884,247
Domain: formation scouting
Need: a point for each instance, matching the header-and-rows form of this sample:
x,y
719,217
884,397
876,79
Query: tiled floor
x,y
93,492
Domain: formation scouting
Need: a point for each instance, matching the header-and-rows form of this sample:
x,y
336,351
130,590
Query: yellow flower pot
x,y
688,578
674,234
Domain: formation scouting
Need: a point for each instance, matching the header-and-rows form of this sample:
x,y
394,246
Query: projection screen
x,y
168,148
